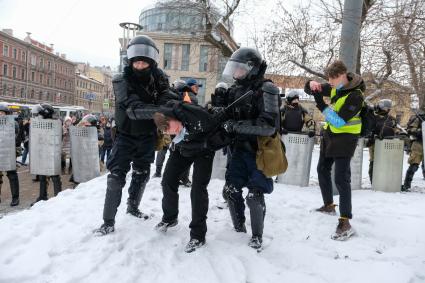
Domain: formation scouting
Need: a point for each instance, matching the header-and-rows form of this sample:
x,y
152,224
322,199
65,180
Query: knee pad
x,y
115,182
141,176
231,193
255,197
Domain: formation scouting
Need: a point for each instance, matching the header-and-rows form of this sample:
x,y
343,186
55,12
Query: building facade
x,y
89,93
178,29
104,76
31,73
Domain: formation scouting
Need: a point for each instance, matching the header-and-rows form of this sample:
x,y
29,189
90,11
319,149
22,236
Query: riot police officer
x,y
46,111
255,116
11,174
138,92
294,116
414,129
385,125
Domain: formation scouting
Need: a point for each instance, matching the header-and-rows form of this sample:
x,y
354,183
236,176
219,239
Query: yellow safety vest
x,y
353,126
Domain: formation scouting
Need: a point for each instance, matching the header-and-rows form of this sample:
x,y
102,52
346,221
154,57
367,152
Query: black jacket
x,y
131,93
342,145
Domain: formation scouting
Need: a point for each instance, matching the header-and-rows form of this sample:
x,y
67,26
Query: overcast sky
x,y
88,31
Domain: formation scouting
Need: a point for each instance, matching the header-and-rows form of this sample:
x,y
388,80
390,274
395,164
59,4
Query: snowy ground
x,y
52,242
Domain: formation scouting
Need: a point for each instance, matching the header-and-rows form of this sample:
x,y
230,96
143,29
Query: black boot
x,y
14,187
257,209
409,177
370,171
114,187
43,189
138,183
236,207
57,184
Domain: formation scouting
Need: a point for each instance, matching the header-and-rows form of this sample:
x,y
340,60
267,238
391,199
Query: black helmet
x,y
293,94
244,64
383,106
4,108
90,119
180,85
144,48
44,110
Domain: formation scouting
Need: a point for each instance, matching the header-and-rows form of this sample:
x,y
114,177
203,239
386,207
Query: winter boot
x,y
256,242
114,187
193,245
104,230
236,207
327,209
57,184
163,226
343,230
14,187
370,171
409,177
257,211
138,183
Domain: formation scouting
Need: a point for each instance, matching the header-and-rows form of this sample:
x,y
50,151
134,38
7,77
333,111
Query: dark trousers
x,y
202,167
342,181
160,157
138,150
104,152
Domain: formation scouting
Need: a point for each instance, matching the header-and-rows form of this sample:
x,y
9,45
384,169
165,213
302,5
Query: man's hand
x,y
315,86
320,103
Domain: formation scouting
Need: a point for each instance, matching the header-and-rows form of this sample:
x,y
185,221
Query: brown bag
x,y
271,158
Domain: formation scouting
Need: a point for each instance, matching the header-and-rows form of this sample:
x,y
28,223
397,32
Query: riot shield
x,y
219,165
299,149
7,144
356,167
45,146
388,165
84,153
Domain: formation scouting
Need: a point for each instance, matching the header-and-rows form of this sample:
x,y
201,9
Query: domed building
x,y
179,29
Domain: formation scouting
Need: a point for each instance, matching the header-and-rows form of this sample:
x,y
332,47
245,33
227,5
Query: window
x,y
23,74
168,55
33,60
185,57
32,94
5,70
14,72
48,81
15,53
22,93
5,50
5,89
41,78
41,63
32,76
203,59
14,91
23,56
49,65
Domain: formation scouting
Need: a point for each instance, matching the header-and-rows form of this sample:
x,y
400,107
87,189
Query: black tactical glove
x,y
320,103
228,126
311,134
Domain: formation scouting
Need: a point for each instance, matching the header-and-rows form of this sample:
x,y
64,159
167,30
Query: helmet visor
x,y
142,50
236,70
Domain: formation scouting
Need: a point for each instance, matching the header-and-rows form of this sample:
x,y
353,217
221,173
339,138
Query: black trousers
x,y
202,167
342,181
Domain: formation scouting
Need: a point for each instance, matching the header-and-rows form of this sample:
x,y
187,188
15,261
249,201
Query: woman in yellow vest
x,y
339,141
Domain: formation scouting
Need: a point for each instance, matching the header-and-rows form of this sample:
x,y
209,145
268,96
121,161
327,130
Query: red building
x,y
31,73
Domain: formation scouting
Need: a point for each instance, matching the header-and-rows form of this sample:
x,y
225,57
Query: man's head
x,y
194,85
293,97
337,74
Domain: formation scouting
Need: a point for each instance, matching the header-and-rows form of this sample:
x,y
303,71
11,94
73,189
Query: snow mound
x,y
53,241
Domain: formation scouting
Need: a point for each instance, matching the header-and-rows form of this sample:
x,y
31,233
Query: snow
x,y
53,241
